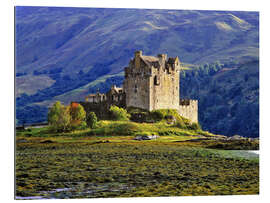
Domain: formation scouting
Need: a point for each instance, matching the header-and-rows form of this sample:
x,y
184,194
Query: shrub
x,y
91,120
194,126
119,114
157,115
180,123
83,125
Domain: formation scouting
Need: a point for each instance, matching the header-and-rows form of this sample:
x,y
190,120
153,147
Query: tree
x,y
59,117
91,120
77,114
119,114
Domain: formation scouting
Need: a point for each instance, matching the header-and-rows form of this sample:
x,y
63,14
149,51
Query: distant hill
x,y
66,53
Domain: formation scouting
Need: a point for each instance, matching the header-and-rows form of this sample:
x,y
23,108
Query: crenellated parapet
x,y
188,108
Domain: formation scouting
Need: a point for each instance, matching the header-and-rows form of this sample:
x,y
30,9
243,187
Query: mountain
x,y
65,53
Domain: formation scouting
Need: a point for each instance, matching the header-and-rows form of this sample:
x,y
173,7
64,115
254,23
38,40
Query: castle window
x,y
156,80
136,89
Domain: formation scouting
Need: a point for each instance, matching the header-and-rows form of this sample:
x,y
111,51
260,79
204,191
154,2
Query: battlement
x,y
188,108
187,102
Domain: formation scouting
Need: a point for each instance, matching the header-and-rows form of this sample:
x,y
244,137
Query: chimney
x,y
138,54
162,59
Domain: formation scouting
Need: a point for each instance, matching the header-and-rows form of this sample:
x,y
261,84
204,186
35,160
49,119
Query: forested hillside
x,y
228,97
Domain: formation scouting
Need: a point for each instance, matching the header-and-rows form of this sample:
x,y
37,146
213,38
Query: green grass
x,y
108,162
119,128
129,169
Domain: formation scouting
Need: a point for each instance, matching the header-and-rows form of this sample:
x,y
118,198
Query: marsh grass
x,y
129,169
108,162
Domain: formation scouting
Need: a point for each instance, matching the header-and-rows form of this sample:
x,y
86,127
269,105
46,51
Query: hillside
x,y
69,52
228,98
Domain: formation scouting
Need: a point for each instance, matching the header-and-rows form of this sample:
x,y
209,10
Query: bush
x,y
180,123
119,114
157,115
83,125
91,120
194,126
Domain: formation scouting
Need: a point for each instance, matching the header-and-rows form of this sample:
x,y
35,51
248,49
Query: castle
x,y
150,83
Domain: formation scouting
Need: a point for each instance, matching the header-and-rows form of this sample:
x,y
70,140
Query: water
x,y
89,192
29,198
254,151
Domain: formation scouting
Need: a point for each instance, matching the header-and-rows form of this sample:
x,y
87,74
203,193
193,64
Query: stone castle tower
x,y
153,83
150,83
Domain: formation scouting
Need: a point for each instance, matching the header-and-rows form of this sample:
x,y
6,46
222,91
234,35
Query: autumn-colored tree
x,y
59,117
77,114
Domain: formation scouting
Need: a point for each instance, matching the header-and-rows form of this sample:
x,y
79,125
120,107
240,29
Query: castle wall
x,y
189,110
137,90
100,109
164,90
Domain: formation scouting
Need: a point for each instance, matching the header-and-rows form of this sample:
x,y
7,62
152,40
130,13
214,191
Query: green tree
x,y
59,117
91,120
119,114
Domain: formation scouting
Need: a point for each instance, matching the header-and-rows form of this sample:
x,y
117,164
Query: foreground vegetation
x,y
107,162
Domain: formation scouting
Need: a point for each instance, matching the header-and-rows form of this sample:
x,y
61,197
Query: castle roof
x,y
149,60
94,95
115,89
91,95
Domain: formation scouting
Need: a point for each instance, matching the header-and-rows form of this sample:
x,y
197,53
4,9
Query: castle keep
x,y
150,83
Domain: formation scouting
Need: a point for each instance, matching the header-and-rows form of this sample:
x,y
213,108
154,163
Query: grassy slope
x,y
30,84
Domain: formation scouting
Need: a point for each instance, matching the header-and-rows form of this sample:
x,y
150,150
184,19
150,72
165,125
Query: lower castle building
x,y
150,83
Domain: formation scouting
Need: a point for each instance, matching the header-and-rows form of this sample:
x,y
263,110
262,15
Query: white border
x,y
7,85
246,5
